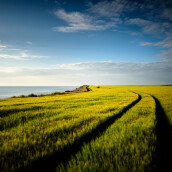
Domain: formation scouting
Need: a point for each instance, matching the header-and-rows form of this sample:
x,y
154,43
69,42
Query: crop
x,y
110,128
128,144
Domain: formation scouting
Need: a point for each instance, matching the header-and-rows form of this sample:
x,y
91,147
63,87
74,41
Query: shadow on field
x,y
164,140
7,112
50,162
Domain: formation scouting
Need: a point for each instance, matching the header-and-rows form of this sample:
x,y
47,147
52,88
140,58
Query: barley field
x,y
108,128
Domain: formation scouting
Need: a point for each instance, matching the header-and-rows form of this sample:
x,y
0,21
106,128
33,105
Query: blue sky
x,y
55,42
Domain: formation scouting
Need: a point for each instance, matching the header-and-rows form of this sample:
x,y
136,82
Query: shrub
x,y
41,95
32,95
67,91
21,96
13,97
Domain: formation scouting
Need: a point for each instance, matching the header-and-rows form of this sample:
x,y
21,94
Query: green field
x,y
111,128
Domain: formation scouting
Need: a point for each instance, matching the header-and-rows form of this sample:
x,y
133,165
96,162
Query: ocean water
x,y
8,91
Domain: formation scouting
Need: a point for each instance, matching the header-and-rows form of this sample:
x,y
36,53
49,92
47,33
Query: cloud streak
x,y
29,42
116,11
103,72
21,56
112,9
166,43
3,46
118,67
147,26
80,22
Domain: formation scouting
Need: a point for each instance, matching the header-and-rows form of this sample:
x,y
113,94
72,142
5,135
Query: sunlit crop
x,y
110,128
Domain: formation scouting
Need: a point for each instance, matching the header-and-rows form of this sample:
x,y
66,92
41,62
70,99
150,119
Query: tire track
x,y
163,157
50,162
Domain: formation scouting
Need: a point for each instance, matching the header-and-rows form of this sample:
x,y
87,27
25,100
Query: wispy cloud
x,y
110,8
80,22
18,54
85,65
167,55
125,72
118,67
16,57
21,56
166,43
14,49
29,42
147,26
109,14
156,21
102,72
73,17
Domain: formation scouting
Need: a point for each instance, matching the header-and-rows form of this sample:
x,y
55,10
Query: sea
x,y
9,91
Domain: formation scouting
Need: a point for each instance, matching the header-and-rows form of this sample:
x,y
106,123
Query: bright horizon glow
x,y
64,43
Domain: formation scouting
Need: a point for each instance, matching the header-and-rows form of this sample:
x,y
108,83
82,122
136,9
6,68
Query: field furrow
x,y
51,162
44,135
110,128
127,145
164,139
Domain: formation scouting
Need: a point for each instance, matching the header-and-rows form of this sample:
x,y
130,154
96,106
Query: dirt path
x,y
164,140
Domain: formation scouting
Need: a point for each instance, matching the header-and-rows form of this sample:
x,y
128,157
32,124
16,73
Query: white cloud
x,y
166,43
79,27
105,72
112,13
14,49
156,28
3,46
73,17
84,65
117,67
80,22
7,56
147,26
147,44
18,55
167,55
21,56
25,55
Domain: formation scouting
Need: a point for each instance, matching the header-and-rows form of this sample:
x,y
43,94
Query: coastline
x,y
80,89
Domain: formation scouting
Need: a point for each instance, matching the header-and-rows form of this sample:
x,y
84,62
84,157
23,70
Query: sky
x,y
78,42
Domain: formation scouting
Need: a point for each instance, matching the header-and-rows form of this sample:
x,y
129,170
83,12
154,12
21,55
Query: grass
x,y
127,144
110,128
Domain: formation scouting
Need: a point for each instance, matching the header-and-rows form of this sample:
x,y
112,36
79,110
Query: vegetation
x,y
129,143
110,128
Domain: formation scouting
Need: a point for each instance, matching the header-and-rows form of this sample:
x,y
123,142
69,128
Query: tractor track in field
x,y
50,162
163,150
